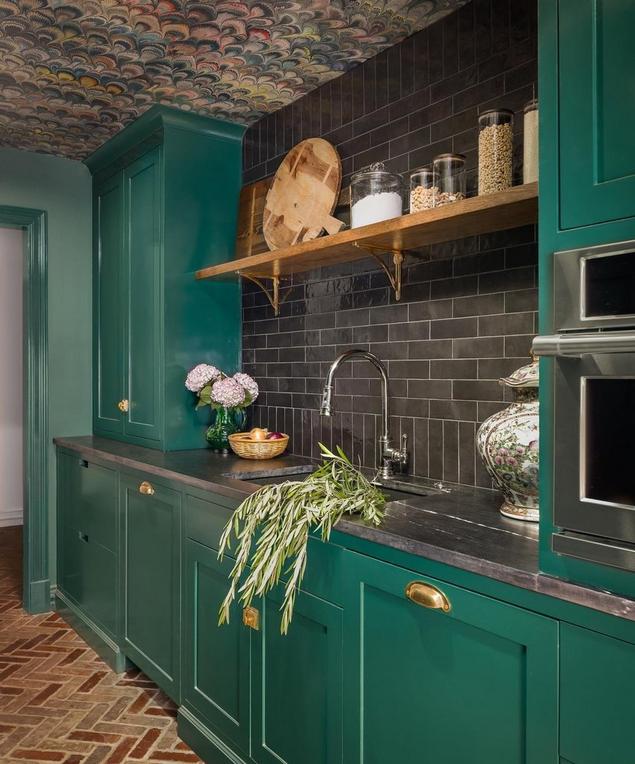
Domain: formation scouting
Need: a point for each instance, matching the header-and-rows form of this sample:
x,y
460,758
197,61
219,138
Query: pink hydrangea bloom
x,y
249,383
200,376
227,392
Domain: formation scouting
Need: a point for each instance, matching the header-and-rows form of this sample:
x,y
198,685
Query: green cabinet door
x,y
475,684
87,535
597,698
216,669
107,308
596,107
151,546
143,295
298,684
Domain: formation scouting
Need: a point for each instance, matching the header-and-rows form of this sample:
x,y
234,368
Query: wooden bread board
x,y
303,195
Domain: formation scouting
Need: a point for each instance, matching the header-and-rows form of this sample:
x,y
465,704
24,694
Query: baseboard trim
x,y
38,598
91,633
203,741
11,517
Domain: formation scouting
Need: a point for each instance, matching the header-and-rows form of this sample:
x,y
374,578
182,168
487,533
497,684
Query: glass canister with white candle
x,y
376,195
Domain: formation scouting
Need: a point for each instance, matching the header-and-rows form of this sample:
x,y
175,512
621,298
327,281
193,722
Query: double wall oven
x,y
594,394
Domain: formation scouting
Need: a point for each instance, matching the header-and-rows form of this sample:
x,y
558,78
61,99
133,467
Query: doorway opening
x,y
24,418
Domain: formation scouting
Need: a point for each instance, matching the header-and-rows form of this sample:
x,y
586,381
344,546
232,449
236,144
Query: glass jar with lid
x,y
449,178
495,147
422,190
530,142
376,194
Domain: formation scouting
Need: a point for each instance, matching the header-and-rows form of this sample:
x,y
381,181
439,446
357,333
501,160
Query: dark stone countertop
x,y
462,528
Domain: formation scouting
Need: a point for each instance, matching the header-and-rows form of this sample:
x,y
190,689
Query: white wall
x,y
11,470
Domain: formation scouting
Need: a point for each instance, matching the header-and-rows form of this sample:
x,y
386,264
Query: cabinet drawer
x,y
206,515
597,702
97,504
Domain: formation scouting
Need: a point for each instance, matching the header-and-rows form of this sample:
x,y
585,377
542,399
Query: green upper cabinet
x,y
475,683
596,100
165,204
144,328
108,324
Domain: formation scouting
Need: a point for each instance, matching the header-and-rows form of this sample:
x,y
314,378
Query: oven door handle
x,y
574,345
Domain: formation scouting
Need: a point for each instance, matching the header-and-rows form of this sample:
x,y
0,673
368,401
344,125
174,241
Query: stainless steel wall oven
x,y
594,427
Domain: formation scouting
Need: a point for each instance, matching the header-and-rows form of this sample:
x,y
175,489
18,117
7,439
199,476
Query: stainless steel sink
x,y
395,489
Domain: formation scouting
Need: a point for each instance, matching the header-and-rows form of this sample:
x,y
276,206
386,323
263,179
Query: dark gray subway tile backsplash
x,y
468,310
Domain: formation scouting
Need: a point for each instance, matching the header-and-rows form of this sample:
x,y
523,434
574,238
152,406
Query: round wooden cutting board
x,y
303,195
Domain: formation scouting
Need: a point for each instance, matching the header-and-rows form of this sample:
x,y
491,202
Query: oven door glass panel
x,y
608,286
608,440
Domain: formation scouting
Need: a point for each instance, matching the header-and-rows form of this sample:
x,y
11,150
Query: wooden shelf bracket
x,y
273,293
396,274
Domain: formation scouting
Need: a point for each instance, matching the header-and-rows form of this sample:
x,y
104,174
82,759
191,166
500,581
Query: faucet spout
x,y
389,455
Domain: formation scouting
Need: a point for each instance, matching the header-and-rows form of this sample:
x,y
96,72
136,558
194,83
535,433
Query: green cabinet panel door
x,y
216,680
596,72
298,684
144,304
151,549
108,323
597,698
87,524
475,684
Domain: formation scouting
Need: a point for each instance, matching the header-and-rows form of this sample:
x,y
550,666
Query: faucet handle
x,y
403,455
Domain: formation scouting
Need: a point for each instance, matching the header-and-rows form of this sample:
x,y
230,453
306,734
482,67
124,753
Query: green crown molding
x,y
156,119
36,589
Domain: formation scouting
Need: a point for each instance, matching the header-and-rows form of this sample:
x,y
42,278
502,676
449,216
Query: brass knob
x,y
123,405
146,488
428,596
251,618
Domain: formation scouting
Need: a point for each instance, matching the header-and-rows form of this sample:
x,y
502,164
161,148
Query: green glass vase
x,y
225,422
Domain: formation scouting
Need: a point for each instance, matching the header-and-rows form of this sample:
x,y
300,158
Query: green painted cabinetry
x,y
477,683
597,697
165,204
151,572
596,107
88,561
587,191
216,669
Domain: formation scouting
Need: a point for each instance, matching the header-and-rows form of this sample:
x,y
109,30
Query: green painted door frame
x,y
36,596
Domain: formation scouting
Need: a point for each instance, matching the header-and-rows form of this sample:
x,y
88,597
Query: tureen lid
x,y
526,376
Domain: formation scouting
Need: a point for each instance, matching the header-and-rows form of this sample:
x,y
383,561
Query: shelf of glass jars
x,y
388,241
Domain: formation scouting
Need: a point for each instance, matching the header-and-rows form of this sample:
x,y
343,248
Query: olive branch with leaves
x,y
272,528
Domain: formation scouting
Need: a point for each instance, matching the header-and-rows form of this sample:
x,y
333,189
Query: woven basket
x,y
242,445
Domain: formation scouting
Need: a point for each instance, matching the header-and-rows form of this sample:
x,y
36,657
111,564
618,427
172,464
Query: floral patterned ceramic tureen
x,y
508,444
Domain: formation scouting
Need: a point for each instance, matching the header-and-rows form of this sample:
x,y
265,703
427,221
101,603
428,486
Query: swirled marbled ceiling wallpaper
x,y
74,73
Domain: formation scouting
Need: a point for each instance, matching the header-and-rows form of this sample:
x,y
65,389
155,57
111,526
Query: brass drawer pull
x,y
146,488
123,405
428,596
251,618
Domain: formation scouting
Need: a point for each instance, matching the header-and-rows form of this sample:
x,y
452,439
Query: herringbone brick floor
x,y
59,702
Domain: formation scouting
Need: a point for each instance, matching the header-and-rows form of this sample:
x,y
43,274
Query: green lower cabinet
x,y
87,536
597,698
476,684
216,668
298,684
151,549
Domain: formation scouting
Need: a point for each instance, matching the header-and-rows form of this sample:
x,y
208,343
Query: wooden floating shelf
x,y
480,214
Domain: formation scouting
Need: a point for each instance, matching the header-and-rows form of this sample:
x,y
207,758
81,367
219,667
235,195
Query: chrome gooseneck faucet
x,y
390,456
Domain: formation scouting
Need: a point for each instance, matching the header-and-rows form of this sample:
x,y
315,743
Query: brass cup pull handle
x,y
146,488
428,596
123,405
251,618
